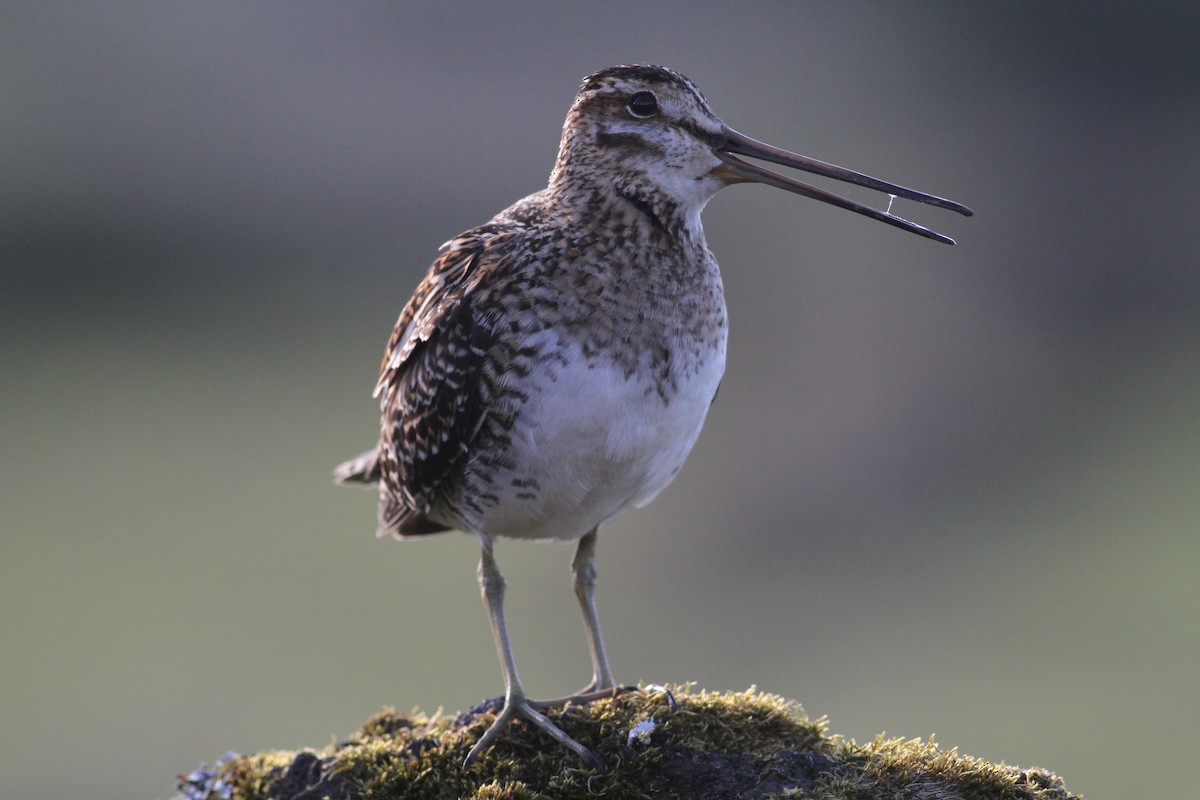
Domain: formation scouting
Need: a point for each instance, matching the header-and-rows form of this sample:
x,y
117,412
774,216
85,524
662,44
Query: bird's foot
x,y
521,706
588,694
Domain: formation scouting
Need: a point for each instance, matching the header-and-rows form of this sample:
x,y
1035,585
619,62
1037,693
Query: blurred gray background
x,y
945,490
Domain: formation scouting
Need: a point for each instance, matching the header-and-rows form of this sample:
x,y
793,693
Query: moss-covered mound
x,y
683,744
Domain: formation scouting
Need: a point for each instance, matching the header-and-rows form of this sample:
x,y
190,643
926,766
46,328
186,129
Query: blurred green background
x,y
948,491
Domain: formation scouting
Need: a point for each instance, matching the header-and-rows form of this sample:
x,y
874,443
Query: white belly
x,y
591,444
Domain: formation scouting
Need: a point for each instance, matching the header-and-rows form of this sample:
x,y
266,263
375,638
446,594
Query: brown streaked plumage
x,y
555,366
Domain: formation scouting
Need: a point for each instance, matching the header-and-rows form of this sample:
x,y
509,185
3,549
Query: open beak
x,y
735,170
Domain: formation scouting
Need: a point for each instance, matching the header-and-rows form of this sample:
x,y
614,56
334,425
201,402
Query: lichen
x,y
695,744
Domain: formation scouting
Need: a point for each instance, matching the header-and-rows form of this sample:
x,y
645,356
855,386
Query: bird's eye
x,y
643,104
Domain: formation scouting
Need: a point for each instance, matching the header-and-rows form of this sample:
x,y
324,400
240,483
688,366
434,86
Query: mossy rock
x,y
682,744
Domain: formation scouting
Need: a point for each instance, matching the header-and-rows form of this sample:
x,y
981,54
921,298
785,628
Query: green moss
x,y
711,745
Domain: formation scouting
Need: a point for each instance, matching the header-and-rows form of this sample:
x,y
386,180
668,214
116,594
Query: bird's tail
x,y
396,519
363,469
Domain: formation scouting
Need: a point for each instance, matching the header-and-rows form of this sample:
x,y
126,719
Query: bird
x,y
555,366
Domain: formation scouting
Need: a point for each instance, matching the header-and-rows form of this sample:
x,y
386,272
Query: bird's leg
x,y
583,568
491,586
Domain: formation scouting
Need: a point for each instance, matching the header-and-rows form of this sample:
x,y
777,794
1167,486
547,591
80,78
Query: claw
x,y
587,694
520,706
667,694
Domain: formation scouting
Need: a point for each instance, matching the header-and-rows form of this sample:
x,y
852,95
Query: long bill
x,y
735,170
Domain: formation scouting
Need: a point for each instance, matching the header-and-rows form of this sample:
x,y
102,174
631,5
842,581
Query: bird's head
x,y
646,133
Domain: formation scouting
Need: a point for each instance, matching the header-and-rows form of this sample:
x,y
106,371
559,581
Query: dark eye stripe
x,y
708,137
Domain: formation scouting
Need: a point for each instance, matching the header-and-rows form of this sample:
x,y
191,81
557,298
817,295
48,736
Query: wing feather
x,y
429,385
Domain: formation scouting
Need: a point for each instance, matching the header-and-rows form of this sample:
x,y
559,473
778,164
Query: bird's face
x,y
648,131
